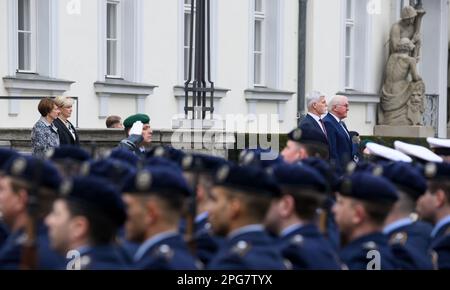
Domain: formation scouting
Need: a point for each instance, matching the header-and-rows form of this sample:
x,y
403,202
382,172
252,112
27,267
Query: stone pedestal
x,y
404,131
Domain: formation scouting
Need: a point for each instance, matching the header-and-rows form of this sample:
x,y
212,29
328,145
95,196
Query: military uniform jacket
x,y
206,244
3,234
132,143
252,250
169,253
11,251
410,243
354,255
440,245
105,257
307,249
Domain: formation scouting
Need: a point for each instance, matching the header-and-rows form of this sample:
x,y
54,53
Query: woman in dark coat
x,y
67,133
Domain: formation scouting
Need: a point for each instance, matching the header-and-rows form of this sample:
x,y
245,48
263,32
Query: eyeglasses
x,y
346,105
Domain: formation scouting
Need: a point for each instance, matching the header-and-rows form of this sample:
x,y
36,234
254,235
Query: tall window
x,y
258,46
113,54
349,43
26,33
187,34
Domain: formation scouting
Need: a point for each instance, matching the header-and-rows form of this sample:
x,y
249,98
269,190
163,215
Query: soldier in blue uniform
x,y
5,155
293,218
199,171
327,224
434,206
27,190
68,159
363,203
409,237
241,198
154,199
85,219
116,169
302,144
259,157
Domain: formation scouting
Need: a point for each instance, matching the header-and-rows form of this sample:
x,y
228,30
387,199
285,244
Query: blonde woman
x,y
67,133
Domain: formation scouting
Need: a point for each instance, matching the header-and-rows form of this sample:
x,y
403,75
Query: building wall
x,y
78,58
3,46
161,61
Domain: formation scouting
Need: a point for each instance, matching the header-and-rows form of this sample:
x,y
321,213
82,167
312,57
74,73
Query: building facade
x,y
120,57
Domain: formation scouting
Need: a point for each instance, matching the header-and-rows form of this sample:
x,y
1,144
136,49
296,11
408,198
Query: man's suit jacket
x,y
65,137
308,123
341,147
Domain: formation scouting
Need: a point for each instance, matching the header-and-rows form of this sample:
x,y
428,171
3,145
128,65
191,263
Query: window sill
x,y
36,84
121,87
370,101
360,97
118,87
267,94
219,94
260,94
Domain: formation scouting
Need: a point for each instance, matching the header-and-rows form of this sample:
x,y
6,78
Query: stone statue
x,y
403,92
409,27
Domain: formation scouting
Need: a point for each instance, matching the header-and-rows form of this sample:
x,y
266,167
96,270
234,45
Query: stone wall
x,y
102,140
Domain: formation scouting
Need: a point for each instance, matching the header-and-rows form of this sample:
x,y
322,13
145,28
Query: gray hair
x,y
335,100
312,98
63,101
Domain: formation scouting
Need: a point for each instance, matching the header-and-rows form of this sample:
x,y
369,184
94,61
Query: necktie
x,y
323,128
345,128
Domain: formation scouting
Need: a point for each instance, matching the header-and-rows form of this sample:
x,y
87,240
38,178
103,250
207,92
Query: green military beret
x,y
128,123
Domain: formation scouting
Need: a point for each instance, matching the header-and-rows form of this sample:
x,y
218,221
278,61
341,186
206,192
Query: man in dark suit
x,y
317,107
340,143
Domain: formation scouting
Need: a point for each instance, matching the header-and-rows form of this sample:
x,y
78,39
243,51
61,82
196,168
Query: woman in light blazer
x,y
44,134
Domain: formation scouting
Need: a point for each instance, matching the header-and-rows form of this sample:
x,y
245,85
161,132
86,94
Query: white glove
x,y
137,128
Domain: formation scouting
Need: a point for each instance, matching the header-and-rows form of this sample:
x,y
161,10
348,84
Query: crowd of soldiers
x,y
165,209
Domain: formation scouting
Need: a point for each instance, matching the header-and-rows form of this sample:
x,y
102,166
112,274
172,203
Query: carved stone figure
x,y
403,92
408,27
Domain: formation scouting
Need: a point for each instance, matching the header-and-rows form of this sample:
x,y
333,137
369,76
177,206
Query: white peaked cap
x,y
417,151
387,153
438,143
